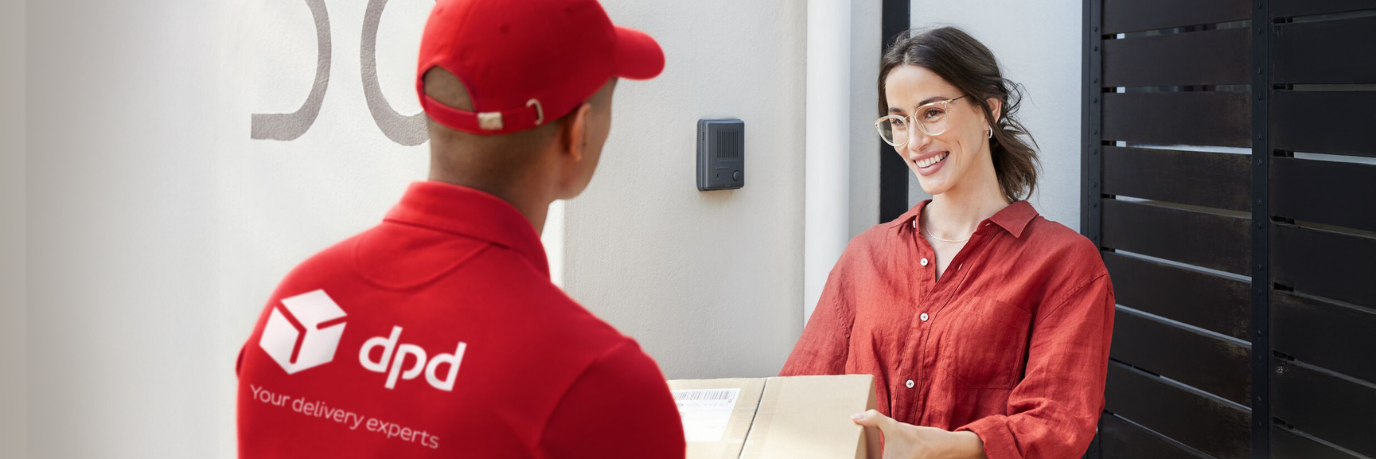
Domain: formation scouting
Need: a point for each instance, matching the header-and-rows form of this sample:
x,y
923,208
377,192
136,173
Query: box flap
x,y
801,417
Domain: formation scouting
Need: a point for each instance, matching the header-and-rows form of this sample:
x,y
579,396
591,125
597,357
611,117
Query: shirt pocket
x,y
985,344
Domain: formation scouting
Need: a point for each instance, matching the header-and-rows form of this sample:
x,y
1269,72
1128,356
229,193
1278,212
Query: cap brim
x,y
638,56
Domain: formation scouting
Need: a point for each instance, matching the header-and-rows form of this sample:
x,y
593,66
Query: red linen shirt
x,y
1012,342
438,334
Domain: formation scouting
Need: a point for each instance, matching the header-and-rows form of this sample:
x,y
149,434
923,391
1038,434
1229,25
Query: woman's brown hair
x,y
968,65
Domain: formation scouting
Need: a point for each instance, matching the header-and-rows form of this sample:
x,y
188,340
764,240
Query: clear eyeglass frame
x,y
884,124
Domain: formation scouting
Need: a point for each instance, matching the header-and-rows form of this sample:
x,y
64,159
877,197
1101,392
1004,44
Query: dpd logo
x,y
392,360
303,332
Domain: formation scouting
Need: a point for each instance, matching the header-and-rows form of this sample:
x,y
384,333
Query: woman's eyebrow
x,y
919,104
931,99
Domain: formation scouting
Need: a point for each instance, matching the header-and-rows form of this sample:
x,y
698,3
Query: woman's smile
x,y
932,163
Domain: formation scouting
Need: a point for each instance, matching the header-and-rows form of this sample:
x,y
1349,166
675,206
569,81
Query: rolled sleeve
x,y
822,349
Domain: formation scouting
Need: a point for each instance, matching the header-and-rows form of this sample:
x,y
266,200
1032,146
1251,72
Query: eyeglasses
x,y
930,118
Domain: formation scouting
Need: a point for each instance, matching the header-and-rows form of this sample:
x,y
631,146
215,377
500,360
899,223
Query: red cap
x,y
527,62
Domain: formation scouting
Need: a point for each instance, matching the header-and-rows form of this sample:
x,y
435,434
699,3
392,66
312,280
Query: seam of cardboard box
x,y
764,417
727,454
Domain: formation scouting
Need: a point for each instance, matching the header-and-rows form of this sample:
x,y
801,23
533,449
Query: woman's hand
x,y
907,441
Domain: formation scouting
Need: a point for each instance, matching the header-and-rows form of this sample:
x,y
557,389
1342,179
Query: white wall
x,y
842,198
13,321
709,283
1038,44
158,226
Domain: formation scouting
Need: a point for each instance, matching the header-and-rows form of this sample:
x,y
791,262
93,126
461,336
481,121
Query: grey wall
x,y
709,283
13,322
121,272
1038,44
864,94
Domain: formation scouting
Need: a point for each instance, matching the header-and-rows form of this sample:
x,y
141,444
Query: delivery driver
x,y
438,333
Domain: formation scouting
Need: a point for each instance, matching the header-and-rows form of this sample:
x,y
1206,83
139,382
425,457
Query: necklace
x,y
929,234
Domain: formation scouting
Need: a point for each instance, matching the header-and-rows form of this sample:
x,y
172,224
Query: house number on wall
x,y
402,129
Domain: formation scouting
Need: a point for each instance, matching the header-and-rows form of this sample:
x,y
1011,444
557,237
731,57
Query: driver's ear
x,y
574,132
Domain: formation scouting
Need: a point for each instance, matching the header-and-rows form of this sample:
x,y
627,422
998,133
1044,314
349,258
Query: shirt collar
x,y
1013,219
472,213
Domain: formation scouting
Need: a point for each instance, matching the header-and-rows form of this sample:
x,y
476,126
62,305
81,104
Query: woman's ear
x,y
995,109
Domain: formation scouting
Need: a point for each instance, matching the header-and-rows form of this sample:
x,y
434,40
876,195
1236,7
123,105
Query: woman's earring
x,y
991,133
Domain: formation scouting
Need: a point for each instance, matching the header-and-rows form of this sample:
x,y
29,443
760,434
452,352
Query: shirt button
x,y
924,317
924,262
910,384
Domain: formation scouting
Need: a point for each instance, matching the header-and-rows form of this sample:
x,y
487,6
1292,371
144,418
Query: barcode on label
x,y
705,412
702,395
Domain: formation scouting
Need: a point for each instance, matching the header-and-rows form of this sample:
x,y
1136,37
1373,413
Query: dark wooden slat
x,y
1138,15
1335,122
1285,443
1262,151
1211,57
1325,52
1325,192
1317,332
1204,300
1093,451
1324,263
1091,112
1120,439
1209,425
1178,118
1290,8
1198,238
1325,406
895,18
1206,363
1219,180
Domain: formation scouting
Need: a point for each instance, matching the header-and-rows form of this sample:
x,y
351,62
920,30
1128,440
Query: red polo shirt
x,y
1011,342
438,334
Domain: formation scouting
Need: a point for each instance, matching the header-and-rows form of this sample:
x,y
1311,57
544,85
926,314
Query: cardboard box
x,y
798,417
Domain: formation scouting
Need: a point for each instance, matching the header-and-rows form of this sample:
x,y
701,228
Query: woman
x,y
986,326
